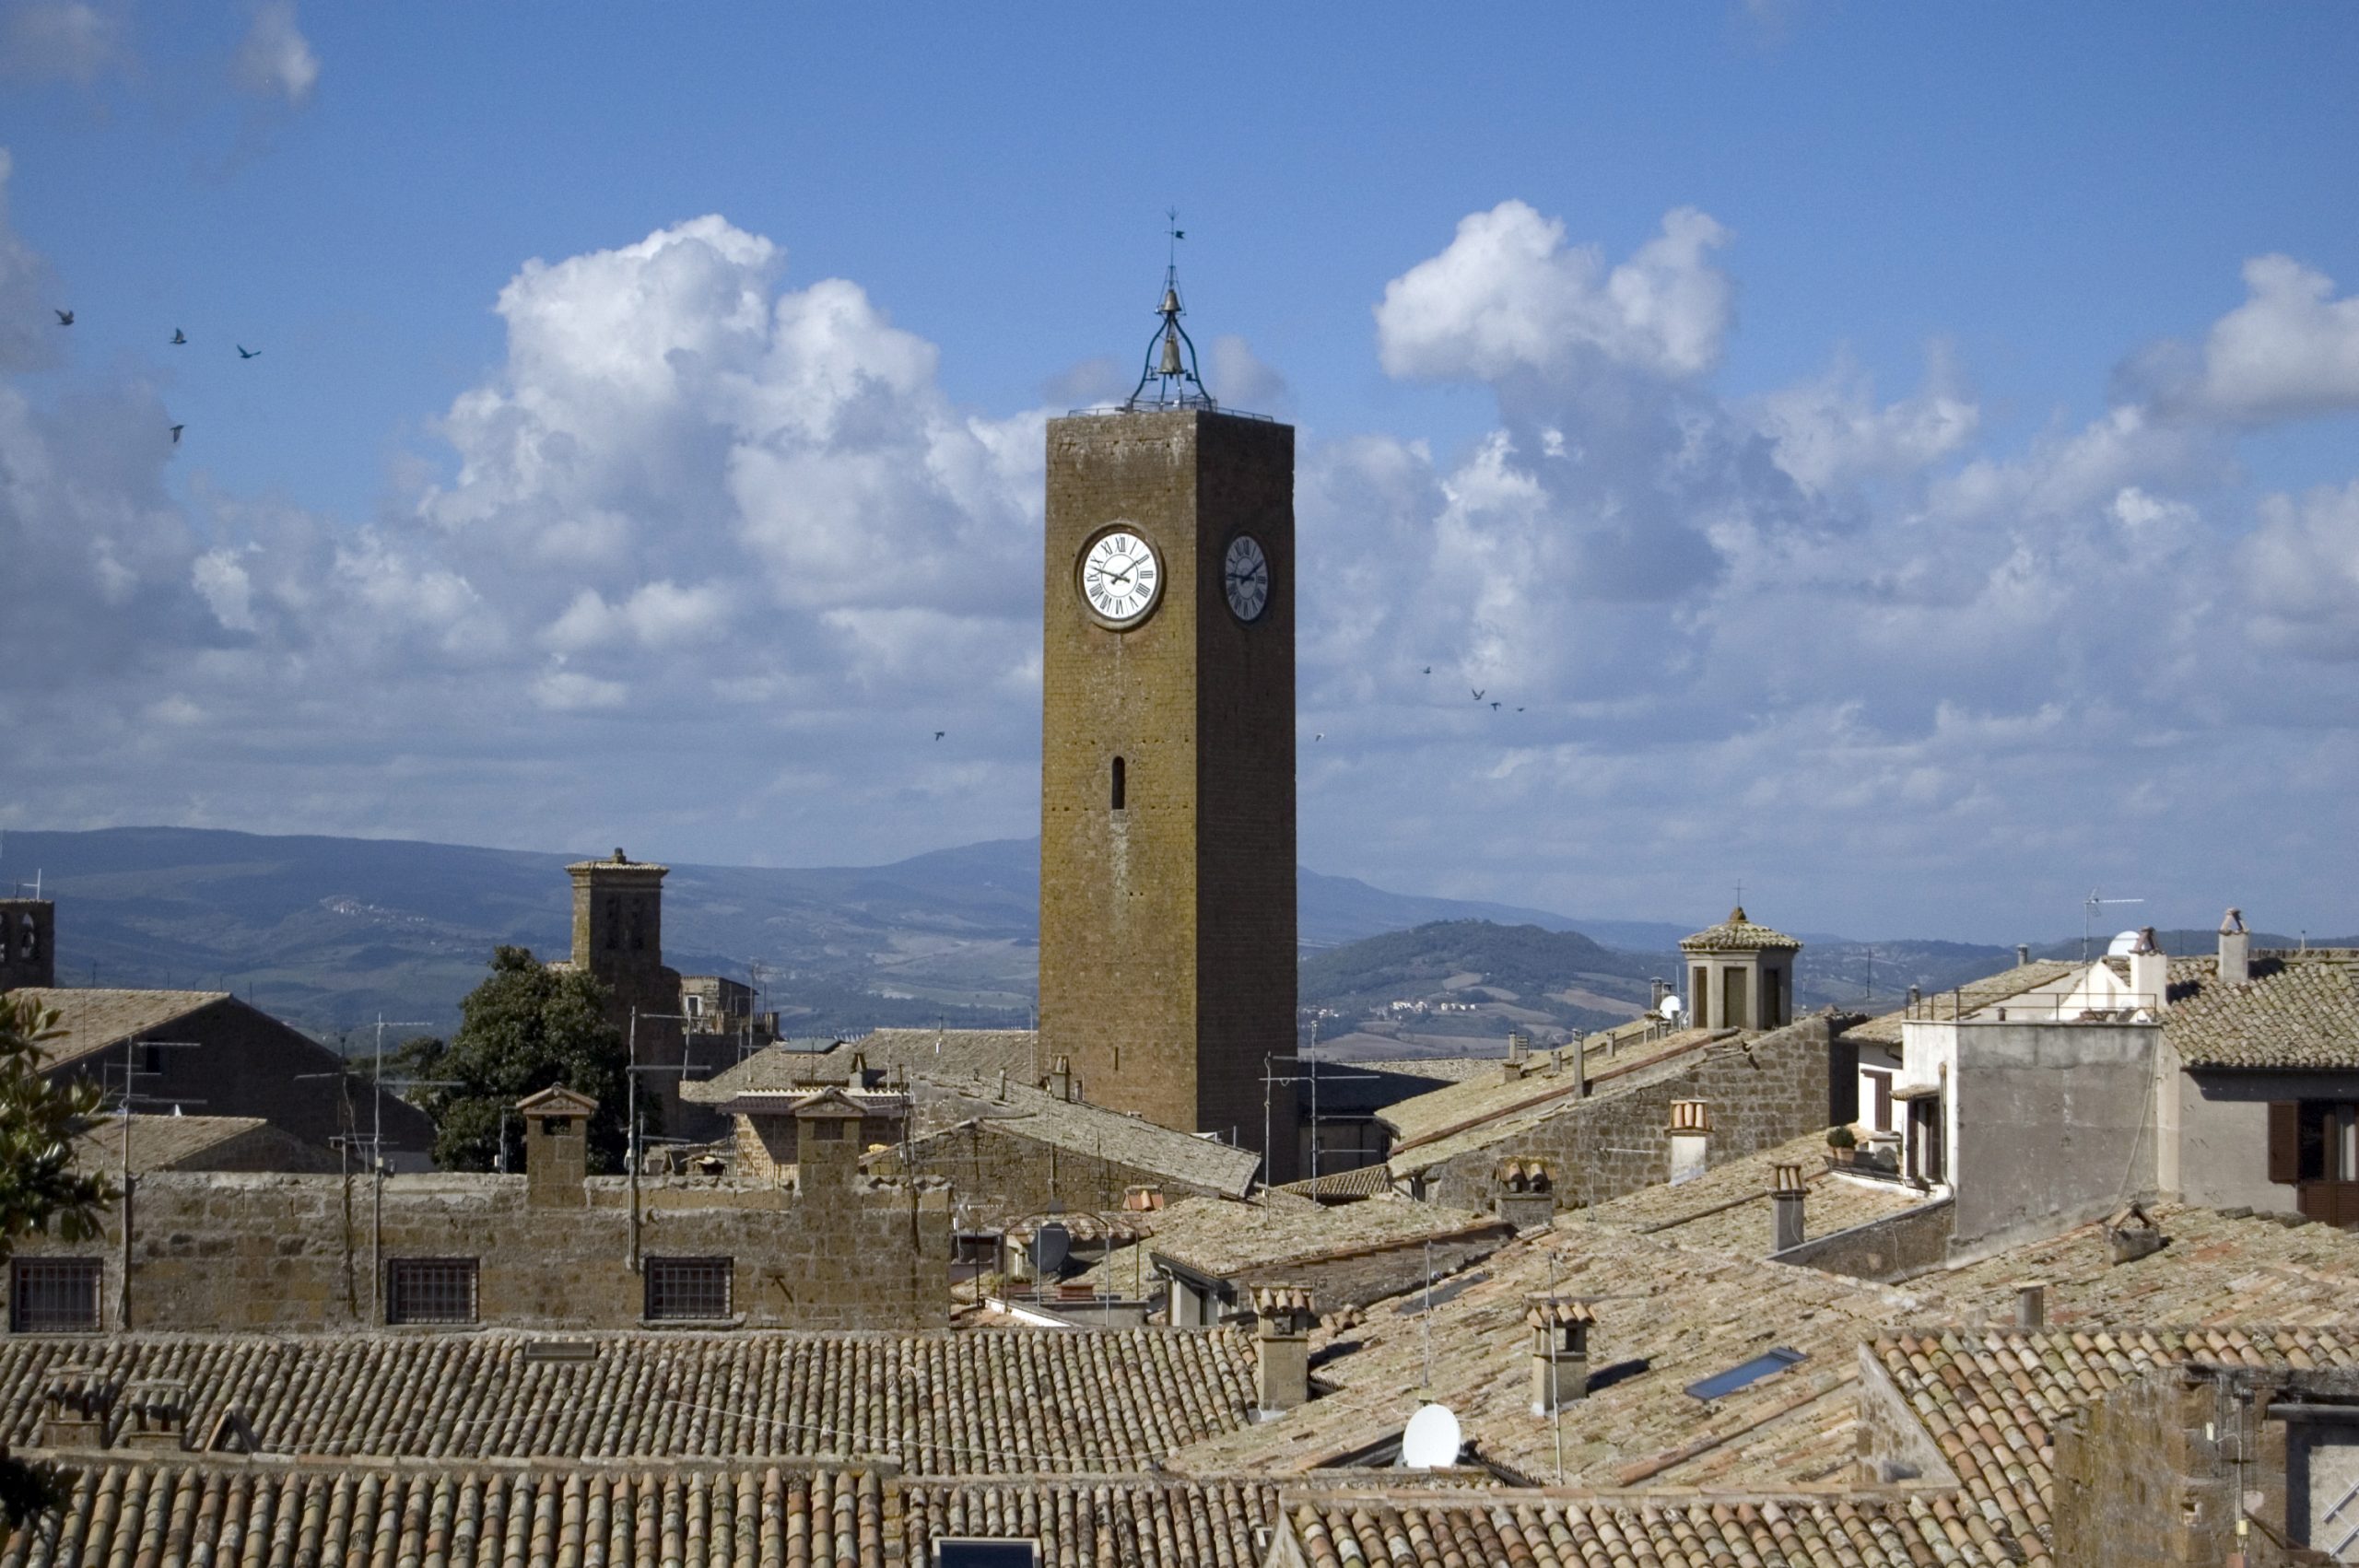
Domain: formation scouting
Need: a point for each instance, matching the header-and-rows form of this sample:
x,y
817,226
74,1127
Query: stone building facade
x,y
1168,787
1757,1091
548,1249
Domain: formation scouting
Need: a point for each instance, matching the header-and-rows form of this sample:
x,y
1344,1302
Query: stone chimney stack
x,y
2031,1304
2235,950
1282,1339
1576,1060
1691,1135
1560,1328
1785,1197
1526,1192
1518,1045
28,942
75,1407
556,1147
155,1415
2022,954
2150,971
1661,989
1059,1084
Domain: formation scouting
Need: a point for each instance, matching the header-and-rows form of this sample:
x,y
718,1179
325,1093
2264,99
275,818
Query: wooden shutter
x,y
2284,1141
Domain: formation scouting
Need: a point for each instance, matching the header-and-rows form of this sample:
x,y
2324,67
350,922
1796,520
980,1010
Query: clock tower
x,y
1168,788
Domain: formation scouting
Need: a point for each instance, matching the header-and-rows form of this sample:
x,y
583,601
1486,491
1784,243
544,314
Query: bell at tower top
x,y
1169,378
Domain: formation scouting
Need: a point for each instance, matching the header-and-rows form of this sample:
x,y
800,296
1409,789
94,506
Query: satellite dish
x,y
1431,1441
1051,1244
2126,943
1672,1007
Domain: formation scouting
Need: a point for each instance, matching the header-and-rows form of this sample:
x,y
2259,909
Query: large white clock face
x,y
1121,577
1245,573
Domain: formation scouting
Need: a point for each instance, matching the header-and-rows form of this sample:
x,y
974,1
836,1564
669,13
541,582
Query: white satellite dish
x,y
2126,943
1672,1007
1431,1441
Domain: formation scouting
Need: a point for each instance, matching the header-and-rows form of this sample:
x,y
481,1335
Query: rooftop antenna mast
x,y
1169,378
2090,905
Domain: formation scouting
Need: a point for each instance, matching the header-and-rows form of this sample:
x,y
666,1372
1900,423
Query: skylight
x,y
1745,1373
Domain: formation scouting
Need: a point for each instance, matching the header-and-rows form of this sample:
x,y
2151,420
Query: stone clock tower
x,y
1168,788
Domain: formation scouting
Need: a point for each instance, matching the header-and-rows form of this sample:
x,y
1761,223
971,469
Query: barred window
x,y
688,1288
429,1290
55,1295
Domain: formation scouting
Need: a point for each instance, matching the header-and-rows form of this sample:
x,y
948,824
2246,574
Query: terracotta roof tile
x,y
1083,1523
957,1404
1738,934
1726,1209
95,1018
1975,994
2299,1010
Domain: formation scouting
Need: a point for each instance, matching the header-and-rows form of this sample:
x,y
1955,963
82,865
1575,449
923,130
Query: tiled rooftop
x,y
1726,1209
951,1405
1738,934
952,1053
1986,992
2299,1010
158,1142
94,1018
1532,1530
182,1513
1364,1181
1474,1115
1084,1524
1991,1399
1225,1239
1440,1069
1077,1128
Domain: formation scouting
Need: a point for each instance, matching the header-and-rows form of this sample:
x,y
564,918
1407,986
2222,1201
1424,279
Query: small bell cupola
x,y
1169,378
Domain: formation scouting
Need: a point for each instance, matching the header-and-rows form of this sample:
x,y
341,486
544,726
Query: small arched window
x,y
1121,786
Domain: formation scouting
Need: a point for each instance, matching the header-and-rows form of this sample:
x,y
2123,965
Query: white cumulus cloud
x,y
275,59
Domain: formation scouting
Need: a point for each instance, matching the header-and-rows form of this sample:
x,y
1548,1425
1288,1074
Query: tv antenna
x,y
1170,367
2090,905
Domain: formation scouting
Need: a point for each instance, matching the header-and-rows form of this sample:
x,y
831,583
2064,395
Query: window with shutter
x,y
2284,1141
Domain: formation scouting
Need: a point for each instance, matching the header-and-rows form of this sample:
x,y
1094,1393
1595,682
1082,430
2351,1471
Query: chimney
x,y
1059,1084
2149,972
2031,1304
2235,950
1661,988
1691,1133
75,1408
1560,1327
1915,995
826,1142
2132,1235
1518,1045
1526,1193
1577,1050
1511,1070
1282,1339
1142,1200
2022,954
1786,1209
155,1415
556,1147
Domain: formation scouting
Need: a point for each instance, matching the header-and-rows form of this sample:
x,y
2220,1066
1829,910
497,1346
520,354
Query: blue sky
x,y
1930,557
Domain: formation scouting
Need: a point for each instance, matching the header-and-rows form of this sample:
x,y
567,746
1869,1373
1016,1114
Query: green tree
x,y
525,1028
40,1187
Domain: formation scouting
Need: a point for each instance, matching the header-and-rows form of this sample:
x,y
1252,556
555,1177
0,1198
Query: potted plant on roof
x,y
1842,1144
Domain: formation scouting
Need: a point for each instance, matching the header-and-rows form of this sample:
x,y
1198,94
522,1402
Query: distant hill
x,y
332,932
1477,979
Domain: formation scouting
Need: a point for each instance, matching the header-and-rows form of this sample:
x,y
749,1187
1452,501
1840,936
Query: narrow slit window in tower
x,y
1120,784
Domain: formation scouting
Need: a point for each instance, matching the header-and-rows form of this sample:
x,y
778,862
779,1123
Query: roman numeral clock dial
x,y
1120,577
1245,573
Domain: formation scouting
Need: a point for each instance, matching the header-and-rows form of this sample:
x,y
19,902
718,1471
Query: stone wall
x,y
1761,1093
997,1176
1892,1248
766,1145
218,1252
2050,1124
2137,1482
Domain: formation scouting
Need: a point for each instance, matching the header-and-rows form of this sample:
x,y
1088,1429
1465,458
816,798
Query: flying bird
x,y
1519,711
1478,693
1430,669
65,318
178,336
1495,707
176,433
1320,736
245,353
939,733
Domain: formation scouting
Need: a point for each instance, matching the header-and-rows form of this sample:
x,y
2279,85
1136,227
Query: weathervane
x,y
1169,370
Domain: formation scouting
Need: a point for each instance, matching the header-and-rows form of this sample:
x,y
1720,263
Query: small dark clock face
x,y
1120,577
1245,574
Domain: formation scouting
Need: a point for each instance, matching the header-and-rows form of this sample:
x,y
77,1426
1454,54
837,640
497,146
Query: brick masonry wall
x,y
217,1252
1168,929
1760,1094
1891,1248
